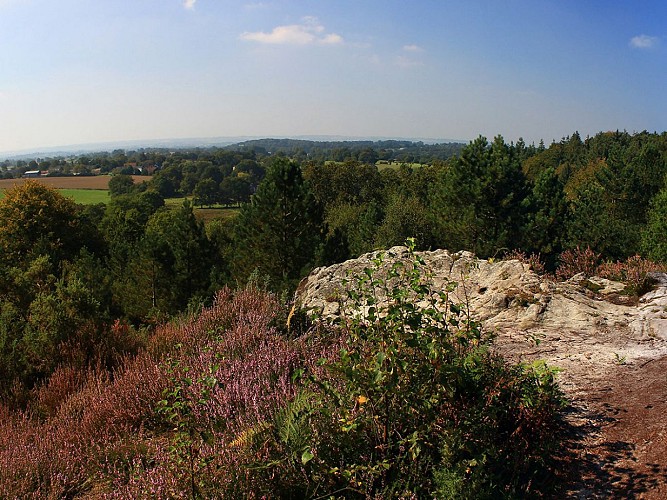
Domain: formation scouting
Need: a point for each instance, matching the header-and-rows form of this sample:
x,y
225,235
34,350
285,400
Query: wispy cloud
x,y
412,48
643,41
407,62
8,3
189,4
309,32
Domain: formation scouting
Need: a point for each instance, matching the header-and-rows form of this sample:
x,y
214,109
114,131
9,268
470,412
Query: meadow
x,y
205,214
91,190
395,165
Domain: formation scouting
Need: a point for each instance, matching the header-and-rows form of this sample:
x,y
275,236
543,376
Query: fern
x,y
292,428
250,437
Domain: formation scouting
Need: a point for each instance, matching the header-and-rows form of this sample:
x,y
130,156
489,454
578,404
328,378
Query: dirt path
x,y
618,446
617,386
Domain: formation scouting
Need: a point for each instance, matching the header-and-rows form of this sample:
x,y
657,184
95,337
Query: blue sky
x,y
82,71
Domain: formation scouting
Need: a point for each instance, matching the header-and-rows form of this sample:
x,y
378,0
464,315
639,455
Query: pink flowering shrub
x,y
160,424
634,272
533,260
577,261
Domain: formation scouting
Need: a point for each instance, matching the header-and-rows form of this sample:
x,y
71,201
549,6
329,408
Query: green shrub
x,y
416,404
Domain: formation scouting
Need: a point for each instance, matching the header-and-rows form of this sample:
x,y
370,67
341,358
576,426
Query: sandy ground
x,y
616,382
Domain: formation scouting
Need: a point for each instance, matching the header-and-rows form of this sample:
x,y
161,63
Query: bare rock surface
x,y
612,352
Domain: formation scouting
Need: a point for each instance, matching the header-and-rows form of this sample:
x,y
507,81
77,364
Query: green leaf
x,y
306,457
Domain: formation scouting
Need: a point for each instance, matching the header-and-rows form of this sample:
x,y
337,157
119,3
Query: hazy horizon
x,y
76,73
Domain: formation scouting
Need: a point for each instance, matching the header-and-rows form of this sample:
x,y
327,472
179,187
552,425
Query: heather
x,y
635,271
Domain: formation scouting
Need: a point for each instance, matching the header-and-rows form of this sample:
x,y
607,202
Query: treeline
x,y
71,276
140,162
145,161
363,151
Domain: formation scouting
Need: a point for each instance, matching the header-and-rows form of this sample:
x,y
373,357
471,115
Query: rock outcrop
x,y
585,326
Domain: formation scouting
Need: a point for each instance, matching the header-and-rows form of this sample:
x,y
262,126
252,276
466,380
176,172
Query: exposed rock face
x,y
584,326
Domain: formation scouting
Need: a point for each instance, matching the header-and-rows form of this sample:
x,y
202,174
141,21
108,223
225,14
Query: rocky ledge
x,y
585,326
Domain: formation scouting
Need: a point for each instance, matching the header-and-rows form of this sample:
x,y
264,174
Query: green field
x,y
395,165
206,214
82,196
86,196
95,196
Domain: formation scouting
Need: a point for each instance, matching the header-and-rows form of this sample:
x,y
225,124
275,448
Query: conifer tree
x,y
279,233
478,199
546,220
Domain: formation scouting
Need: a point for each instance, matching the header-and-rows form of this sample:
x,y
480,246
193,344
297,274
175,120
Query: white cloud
x,y
643,41
189,4
406,62
310,31
412,48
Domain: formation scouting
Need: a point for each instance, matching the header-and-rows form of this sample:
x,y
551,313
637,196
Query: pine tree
x,y
279,233
545,228
478,199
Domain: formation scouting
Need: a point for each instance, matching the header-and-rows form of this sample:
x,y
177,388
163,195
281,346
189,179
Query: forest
x,y
173,323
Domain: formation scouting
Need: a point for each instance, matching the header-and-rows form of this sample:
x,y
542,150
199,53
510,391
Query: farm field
x,y
81,196
91,190
86,196
86,190
72,182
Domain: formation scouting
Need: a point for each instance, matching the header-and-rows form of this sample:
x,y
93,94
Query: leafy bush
x,y
416,404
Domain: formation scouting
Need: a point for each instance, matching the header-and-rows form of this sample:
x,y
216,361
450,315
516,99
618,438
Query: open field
x,y
395,165
205,214
73,182
81,196
91,190
86,196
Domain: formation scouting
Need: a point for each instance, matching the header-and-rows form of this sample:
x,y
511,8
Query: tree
x,y
279,232
180,253
350,182
206,192
654,236
546,220
235,190
120,184
478,199
37,220
592,224
405,217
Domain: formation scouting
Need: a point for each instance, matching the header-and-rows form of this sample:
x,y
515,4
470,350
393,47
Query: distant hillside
x,y
365,150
